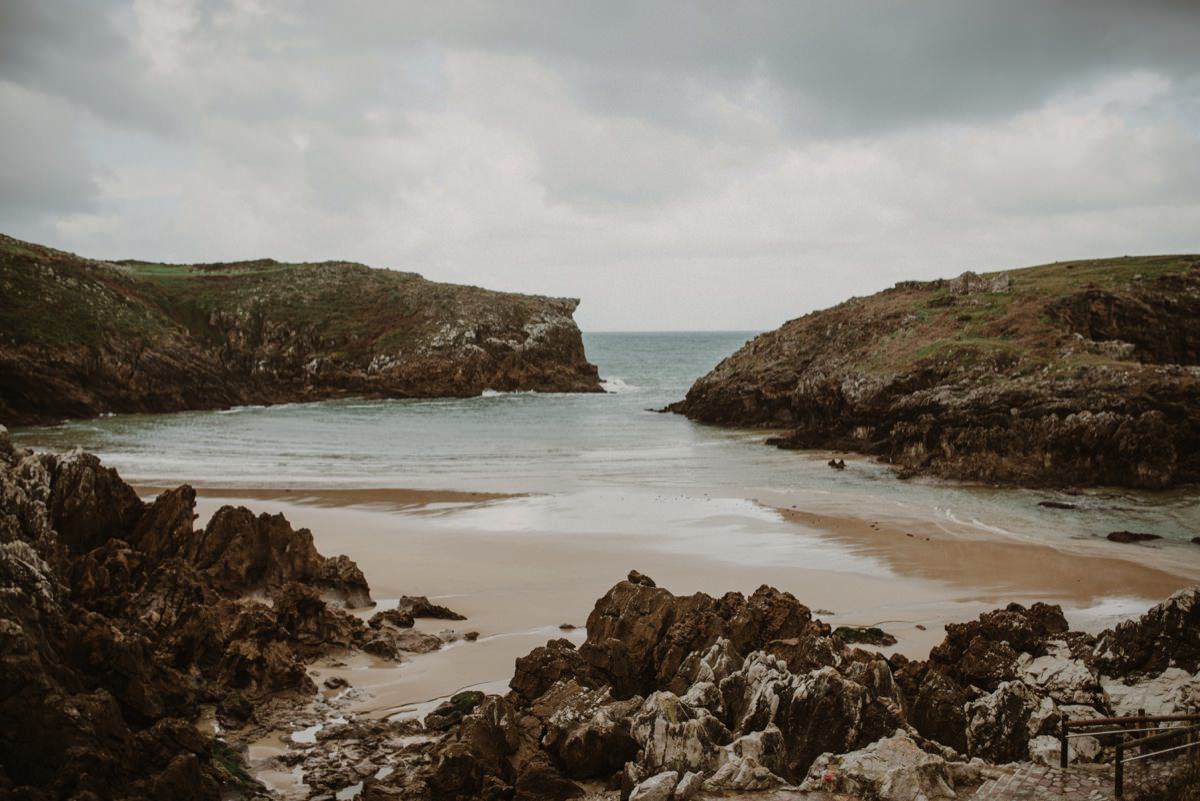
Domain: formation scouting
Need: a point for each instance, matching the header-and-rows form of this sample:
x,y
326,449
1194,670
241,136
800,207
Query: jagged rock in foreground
x,y
118,620
80,337
1082,373
673,695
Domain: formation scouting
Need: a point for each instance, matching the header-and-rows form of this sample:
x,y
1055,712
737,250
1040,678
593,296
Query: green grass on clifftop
x,y
932,326
59,299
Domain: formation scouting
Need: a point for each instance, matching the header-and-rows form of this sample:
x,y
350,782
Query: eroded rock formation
x,y
118,619
673,694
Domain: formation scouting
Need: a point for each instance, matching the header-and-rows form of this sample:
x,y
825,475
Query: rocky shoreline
x,y
127,634
1069,374
120,625
671,696
80,337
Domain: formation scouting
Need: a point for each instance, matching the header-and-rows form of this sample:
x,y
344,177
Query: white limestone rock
x,y
689,786
660,787
892,769
1066,680
1172,692
674,736
742,773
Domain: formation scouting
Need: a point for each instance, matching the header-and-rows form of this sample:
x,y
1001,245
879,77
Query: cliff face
x,y
80,337
1083,373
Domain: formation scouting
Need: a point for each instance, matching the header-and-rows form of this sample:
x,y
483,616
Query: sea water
x,y
582,453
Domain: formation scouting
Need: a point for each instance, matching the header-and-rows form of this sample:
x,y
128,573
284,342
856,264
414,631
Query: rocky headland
x,y
80,337
1068,374
126,632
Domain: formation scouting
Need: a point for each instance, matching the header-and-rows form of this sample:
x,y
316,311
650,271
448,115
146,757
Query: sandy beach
x,y
504,562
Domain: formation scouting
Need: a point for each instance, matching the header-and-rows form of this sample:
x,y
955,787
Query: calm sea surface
x,y
593,448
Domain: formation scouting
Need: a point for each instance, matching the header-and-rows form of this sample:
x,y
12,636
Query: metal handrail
x,y
1165,733
1119,779
1142,718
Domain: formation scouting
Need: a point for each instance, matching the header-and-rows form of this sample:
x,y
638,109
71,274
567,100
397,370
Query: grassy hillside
x,y
1001,326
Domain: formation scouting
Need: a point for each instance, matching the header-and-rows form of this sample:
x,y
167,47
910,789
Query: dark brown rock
x,y
868,635
1131,536
312,624
420,606
111,638
166,528
638,578
391,617
482,756
90,504
639,636
833,714
938,713
1167,635
241,553
983,652
753,690
998,724
452,711
586,732
546,665
539,780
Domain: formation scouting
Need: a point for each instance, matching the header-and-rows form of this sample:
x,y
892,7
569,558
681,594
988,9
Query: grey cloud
x,y
675,164
844,67
43,169
75,50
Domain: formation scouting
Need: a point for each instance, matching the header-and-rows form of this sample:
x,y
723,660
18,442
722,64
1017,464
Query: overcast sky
x,y
681,165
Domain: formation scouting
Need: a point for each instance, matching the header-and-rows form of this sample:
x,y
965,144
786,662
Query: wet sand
x,y
386,498
512,566
996,568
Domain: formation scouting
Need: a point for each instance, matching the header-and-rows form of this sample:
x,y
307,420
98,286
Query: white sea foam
x,y
618,386
496,393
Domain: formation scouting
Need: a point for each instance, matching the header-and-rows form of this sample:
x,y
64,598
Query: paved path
x,y
1029,782
1022,781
